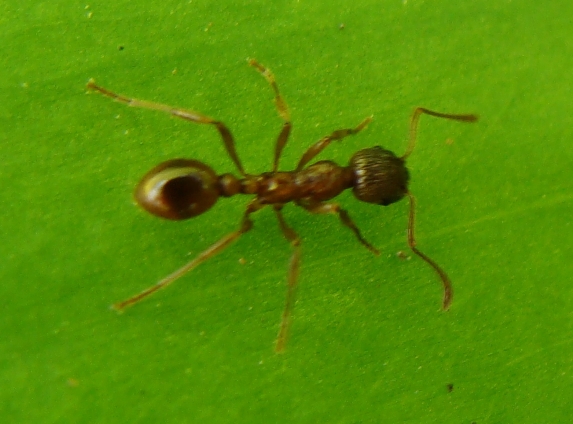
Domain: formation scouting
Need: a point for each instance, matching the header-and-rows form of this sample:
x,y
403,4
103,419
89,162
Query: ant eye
x,y
178,189
379,176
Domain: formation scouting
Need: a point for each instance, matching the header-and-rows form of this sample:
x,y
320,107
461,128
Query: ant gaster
x,y
184,188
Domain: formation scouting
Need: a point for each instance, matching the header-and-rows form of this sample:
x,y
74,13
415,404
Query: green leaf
x,y
369,342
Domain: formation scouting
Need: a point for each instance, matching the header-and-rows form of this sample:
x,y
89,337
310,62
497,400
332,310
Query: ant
x,y
184,188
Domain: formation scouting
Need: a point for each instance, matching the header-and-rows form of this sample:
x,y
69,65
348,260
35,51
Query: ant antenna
x,y
416,117
448,292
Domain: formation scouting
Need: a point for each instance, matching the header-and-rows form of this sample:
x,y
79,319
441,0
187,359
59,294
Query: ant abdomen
x,y
379,176
178,189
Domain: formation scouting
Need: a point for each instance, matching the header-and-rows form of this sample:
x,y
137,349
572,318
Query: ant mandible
x,y
183,188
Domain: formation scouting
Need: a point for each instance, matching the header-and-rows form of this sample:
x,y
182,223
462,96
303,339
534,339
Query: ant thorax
x,y
318,182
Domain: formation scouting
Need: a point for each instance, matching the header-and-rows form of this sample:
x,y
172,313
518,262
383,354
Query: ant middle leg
x,y
322,208
292,280
320,145
282,109
188,115
218,247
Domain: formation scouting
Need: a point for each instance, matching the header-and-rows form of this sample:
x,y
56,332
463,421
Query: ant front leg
x,y
282,109
188,115
322,208
320,145
218,247
292,280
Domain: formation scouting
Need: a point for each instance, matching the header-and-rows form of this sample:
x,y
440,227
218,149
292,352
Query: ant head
x,y
178,189
379,176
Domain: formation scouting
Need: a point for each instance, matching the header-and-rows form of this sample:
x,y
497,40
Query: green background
x,y
369,343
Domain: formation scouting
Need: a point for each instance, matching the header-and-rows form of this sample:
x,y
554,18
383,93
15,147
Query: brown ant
x,y
184,188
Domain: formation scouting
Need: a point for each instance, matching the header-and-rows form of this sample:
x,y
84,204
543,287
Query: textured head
x,y
379,176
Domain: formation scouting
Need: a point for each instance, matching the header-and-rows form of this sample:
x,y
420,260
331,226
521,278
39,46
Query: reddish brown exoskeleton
x,y
183,188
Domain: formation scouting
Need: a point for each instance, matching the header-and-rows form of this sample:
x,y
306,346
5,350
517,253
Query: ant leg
x,y
218,247
416,118
448,292
320,145
292,280
321,208
282,109
188,115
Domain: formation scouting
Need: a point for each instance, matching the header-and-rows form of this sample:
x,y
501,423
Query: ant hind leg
x,y
214,249
188,115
